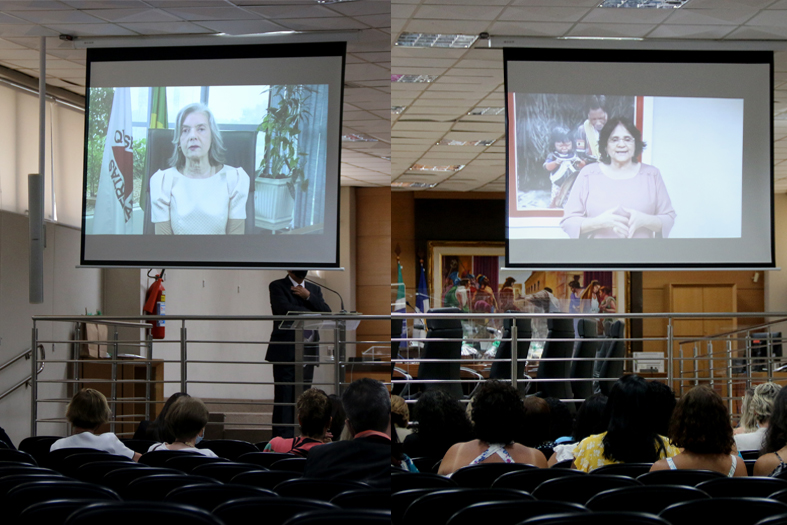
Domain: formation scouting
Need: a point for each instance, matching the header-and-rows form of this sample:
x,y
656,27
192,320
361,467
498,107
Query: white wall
x,y
67,291
776,281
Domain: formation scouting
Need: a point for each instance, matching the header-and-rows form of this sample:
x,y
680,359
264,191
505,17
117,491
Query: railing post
x,y
183,365
670,357
113,386
34,383
514,354
711,363
749,363
729,374
696,365
148,372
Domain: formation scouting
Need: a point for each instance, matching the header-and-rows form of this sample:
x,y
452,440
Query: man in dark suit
x,y
291,294
367,457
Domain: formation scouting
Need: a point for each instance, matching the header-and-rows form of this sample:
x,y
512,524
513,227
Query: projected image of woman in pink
x,y
619,197
198,194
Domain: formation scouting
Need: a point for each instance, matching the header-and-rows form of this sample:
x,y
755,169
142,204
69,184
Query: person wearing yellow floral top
x,y
630,436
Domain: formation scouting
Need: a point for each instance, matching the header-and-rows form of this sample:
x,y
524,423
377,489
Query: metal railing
x,y
26,381
178,352
730,361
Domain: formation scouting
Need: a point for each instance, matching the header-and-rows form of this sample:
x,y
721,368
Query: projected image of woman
x,y
198,194
618,197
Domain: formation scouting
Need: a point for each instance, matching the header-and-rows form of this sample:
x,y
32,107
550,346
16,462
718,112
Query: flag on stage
x,y
401,304
113,213
158,120
422,293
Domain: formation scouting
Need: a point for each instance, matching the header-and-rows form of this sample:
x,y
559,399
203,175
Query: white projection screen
x,y
642,159
213,156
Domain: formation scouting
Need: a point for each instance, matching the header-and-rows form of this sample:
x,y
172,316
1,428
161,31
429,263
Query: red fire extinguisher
x,y
155,300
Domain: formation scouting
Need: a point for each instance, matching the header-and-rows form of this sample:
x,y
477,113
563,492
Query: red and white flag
x,y
113,213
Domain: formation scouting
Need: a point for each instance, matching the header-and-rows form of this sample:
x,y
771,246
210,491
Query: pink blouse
x,y
594,193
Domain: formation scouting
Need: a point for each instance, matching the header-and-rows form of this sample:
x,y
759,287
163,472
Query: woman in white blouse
x,y
198,194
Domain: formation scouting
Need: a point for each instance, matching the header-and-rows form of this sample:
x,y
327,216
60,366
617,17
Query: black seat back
x,y
548,368
584,349
524,331
443,329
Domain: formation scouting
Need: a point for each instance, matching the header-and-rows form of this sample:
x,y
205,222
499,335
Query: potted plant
x,y
282,169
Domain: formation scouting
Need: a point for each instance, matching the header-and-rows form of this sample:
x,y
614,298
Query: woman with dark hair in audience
x,y
701,427
86,412
338,416
774,449
441,423
535,429
156,430
591,419
186,421
498,414
662,404
630,437
314,419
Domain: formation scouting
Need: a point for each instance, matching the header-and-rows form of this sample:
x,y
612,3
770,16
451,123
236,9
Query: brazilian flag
x,y
158,120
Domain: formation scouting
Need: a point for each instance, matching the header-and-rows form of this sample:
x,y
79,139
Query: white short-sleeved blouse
x,y
199,206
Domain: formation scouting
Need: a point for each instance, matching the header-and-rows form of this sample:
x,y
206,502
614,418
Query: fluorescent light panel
x,y
414,185
357,137
644,4
486,111
422,167
397,110
435,40
413,78
448,142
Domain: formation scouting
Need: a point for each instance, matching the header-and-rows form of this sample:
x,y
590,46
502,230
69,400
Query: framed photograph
x,y
452,262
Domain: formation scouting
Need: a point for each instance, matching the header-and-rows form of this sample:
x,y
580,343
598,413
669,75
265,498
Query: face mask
x,y
300,274
199,438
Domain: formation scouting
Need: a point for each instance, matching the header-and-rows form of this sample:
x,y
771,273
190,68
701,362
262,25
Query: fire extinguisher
x,y
155,300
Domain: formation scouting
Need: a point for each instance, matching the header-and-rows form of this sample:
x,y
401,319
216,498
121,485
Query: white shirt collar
x,y
295,283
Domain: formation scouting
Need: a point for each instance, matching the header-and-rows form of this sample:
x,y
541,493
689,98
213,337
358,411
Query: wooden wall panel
x,y
373,233
403,235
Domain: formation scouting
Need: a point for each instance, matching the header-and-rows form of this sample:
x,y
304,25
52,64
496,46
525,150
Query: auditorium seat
x,y
502,369
484,474
12,480
263,459
511,512
224,471
17,456
119,479
139,445
598,518
54,511
579,489
265,479
132,513
342,516
38,446
688,477
528,480
644,498
274,510
420,480
158,458
609,364
54,459
231,449
554,363
428,465
157,486
434,349
778,519
631,470
70,464
740,511
439,506
314,488
210,496
401,500
22,496
761,487
581,372
296,464
95,471
378,499
187,462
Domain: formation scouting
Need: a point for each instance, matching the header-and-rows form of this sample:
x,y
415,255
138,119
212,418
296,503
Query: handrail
x,y
25,381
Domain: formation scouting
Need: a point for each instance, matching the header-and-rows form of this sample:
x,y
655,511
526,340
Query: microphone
x,y
342,311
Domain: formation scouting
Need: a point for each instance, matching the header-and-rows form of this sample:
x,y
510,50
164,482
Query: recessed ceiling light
x,y
334,1
422,167
358,137
644,4
448,142
487,111
397,110
611,38
435,40
413,78
414,185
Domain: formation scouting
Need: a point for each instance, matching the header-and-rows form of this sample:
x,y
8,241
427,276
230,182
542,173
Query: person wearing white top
x,y
198,194
86,412
186,420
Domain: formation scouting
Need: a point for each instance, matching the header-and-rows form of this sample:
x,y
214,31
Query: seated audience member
x,y
630,437
366,457
662,403
314,417
400,417
398,458
337,417
441,423
498,414
534,432
561,421
591,419
747,423
156,430
701,427
186,421
761,407
774,448
86,412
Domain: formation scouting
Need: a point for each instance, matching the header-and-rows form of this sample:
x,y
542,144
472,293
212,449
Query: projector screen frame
x,y
215,51
649,55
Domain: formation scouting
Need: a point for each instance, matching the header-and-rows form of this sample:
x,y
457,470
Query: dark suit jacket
x,y
283,300
365,459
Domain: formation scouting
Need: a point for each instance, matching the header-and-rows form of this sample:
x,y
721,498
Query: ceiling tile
x,y
133,15
242,27
544,14
711,16
690,31
211,13
25,30
611,30
314,24
459,12
356,9
627,16
535,29
462,27
165,28
103,29
58,17
294,11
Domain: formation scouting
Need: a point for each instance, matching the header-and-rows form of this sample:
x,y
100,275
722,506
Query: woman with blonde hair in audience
x,y
774,449
498,414
630,436
86,412
758,414
314,418
701,427
400,417
186,421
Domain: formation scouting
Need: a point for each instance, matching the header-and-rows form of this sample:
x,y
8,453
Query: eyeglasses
x,y
628,139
